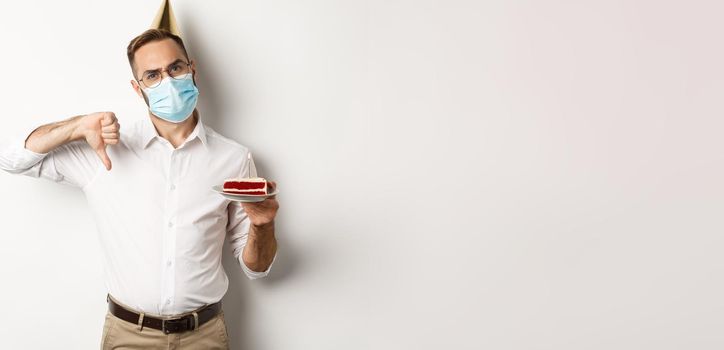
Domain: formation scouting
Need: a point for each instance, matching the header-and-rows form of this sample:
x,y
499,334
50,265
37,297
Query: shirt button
x,y
173,187
168,263
170,224
168,301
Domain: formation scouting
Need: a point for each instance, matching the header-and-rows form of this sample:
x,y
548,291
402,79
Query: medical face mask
x,y
174,98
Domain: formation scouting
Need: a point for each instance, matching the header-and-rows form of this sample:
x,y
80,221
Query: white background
x,y
452,174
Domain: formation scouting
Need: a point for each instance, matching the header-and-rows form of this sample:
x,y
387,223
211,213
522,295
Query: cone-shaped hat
x,y
165,19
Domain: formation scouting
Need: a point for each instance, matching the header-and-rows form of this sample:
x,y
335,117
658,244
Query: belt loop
x,y
196,321
108,296
140,321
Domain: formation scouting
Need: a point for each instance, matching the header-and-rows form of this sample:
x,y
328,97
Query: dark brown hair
x,y
149,36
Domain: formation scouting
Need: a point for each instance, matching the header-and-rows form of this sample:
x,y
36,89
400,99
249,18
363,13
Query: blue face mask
x,y
174,99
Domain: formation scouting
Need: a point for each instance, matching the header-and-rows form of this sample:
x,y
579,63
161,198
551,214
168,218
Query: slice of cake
x,y
246,186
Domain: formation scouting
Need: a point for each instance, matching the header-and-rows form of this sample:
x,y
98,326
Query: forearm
x,y
49,136
261,246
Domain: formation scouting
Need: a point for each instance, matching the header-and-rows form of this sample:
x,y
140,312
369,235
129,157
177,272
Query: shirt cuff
x,y
255,274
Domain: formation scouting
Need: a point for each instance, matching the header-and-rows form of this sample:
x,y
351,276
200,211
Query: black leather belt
x,y
188,322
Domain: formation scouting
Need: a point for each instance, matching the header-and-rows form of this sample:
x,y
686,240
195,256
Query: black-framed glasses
x,y
152,78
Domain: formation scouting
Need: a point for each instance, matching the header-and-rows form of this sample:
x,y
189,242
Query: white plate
x,y
243,197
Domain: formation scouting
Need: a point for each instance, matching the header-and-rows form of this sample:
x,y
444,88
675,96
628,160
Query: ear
x,y
136,87
193,73
193,69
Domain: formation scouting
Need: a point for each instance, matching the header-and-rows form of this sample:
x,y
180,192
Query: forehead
x,y
157,54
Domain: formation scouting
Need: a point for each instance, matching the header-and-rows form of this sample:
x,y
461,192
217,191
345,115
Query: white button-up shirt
x,y
161,226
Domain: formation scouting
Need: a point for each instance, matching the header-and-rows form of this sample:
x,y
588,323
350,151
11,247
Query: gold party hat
x,y
165,19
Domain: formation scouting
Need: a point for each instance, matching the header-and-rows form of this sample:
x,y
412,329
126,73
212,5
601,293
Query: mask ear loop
x,y
140,322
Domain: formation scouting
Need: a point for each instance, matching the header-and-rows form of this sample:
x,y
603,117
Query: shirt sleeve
x,y
74,163
238,229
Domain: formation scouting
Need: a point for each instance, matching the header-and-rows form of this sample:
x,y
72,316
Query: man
x,y
161,227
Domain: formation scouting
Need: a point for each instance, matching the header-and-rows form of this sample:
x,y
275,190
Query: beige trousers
x,y
122,335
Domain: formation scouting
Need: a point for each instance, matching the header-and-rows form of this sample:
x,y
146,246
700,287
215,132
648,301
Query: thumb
x,y
107,119
101,151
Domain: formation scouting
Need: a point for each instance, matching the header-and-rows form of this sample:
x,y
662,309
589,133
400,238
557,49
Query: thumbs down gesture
x,y
101,129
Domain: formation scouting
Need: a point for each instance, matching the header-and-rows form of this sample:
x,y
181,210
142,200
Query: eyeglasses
x,y
152,78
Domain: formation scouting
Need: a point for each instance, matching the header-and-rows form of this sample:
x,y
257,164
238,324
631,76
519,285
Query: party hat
x,y
165,19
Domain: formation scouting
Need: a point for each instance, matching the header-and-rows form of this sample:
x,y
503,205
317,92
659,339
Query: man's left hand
x,y
262,213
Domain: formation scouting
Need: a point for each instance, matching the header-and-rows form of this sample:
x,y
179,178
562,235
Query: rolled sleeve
x,y
15,158
257,274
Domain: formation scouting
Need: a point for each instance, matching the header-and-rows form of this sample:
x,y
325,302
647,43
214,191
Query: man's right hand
x,y
100,129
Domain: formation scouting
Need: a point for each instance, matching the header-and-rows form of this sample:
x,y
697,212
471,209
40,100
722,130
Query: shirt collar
x,y
148,132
